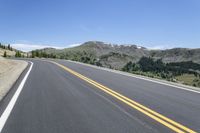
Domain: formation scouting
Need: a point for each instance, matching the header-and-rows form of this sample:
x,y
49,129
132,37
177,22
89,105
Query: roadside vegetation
x,y
41,54
8,47
6,50
81,56
184,72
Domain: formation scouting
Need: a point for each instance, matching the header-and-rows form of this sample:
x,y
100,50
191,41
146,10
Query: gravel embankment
x,y
10,70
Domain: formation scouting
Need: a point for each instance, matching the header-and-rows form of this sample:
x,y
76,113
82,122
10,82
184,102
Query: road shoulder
x,y
10,70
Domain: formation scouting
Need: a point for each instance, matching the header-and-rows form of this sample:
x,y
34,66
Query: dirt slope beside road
x,y
10,70
8,52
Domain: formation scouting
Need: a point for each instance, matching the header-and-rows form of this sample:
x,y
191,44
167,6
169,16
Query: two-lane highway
x,y
75,98
179,105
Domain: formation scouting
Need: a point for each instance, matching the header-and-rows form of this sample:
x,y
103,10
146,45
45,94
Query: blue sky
x,y
60,23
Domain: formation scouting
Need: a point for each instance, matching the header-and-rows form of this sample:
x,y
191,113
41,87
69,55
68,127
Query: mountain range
x,y
116,56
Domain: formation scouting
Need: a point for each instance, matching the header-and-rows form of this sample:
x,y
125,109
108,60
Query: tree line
x,y
81,56
8,47
164,70
41,54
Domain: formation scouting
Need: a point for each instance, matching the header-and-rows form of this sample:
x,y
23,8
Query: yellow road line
x,y
152,114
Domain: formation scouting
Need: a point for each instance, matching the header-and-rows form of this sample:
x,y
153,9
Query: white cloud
x,y
73,45
29,47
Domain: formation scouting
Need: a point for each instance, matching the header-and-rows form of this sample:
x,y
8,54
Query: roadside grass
x,y
189,79
9,53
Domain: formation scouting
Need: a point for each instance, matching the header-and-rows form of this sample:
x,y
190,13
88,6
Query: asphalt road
x,y
55,100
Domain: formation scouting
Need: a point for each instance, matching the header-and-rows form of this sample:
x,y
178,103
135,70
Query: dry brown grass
x,y
8,52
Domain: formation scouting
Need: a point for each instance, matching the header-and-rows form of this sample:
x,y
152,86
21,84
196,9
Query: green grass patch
x,y
189,79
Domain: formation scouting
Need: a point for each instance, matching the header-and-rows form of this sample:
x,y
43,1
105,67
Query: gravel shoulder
x,y
10,70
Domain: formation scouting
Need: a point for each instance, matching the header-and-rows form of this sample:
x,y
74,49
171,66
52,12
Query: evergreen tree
x,y
5,54
18,54
37,53
8,46
127,67
32,54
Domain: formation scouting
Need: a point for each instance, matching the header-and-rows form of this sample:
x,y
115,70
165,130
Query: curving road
x,y
69,97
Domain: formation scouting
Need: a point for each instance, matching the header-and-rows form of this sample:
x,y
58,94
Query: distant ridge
x,y
115,56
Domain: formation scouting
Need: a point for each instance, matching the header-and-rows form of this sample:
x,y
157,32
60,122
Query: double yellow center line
x,y
177,127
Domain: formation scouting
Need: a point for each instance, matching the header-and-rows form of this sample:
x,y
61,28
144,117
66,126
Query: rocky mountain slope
x,y
177,55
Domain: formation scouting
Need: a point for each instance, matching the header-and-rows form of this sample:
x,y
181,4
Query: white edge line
x,y
134,76
12,102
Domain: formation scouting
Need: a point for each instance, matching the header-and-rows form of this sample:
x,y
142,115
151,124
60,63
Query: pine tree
x,y
5,54
11,49
32,54
8,46
18,54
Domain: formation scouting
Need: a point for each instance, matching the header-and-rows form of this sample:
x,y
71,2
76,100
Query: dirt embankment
x,y
10,70
8,52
